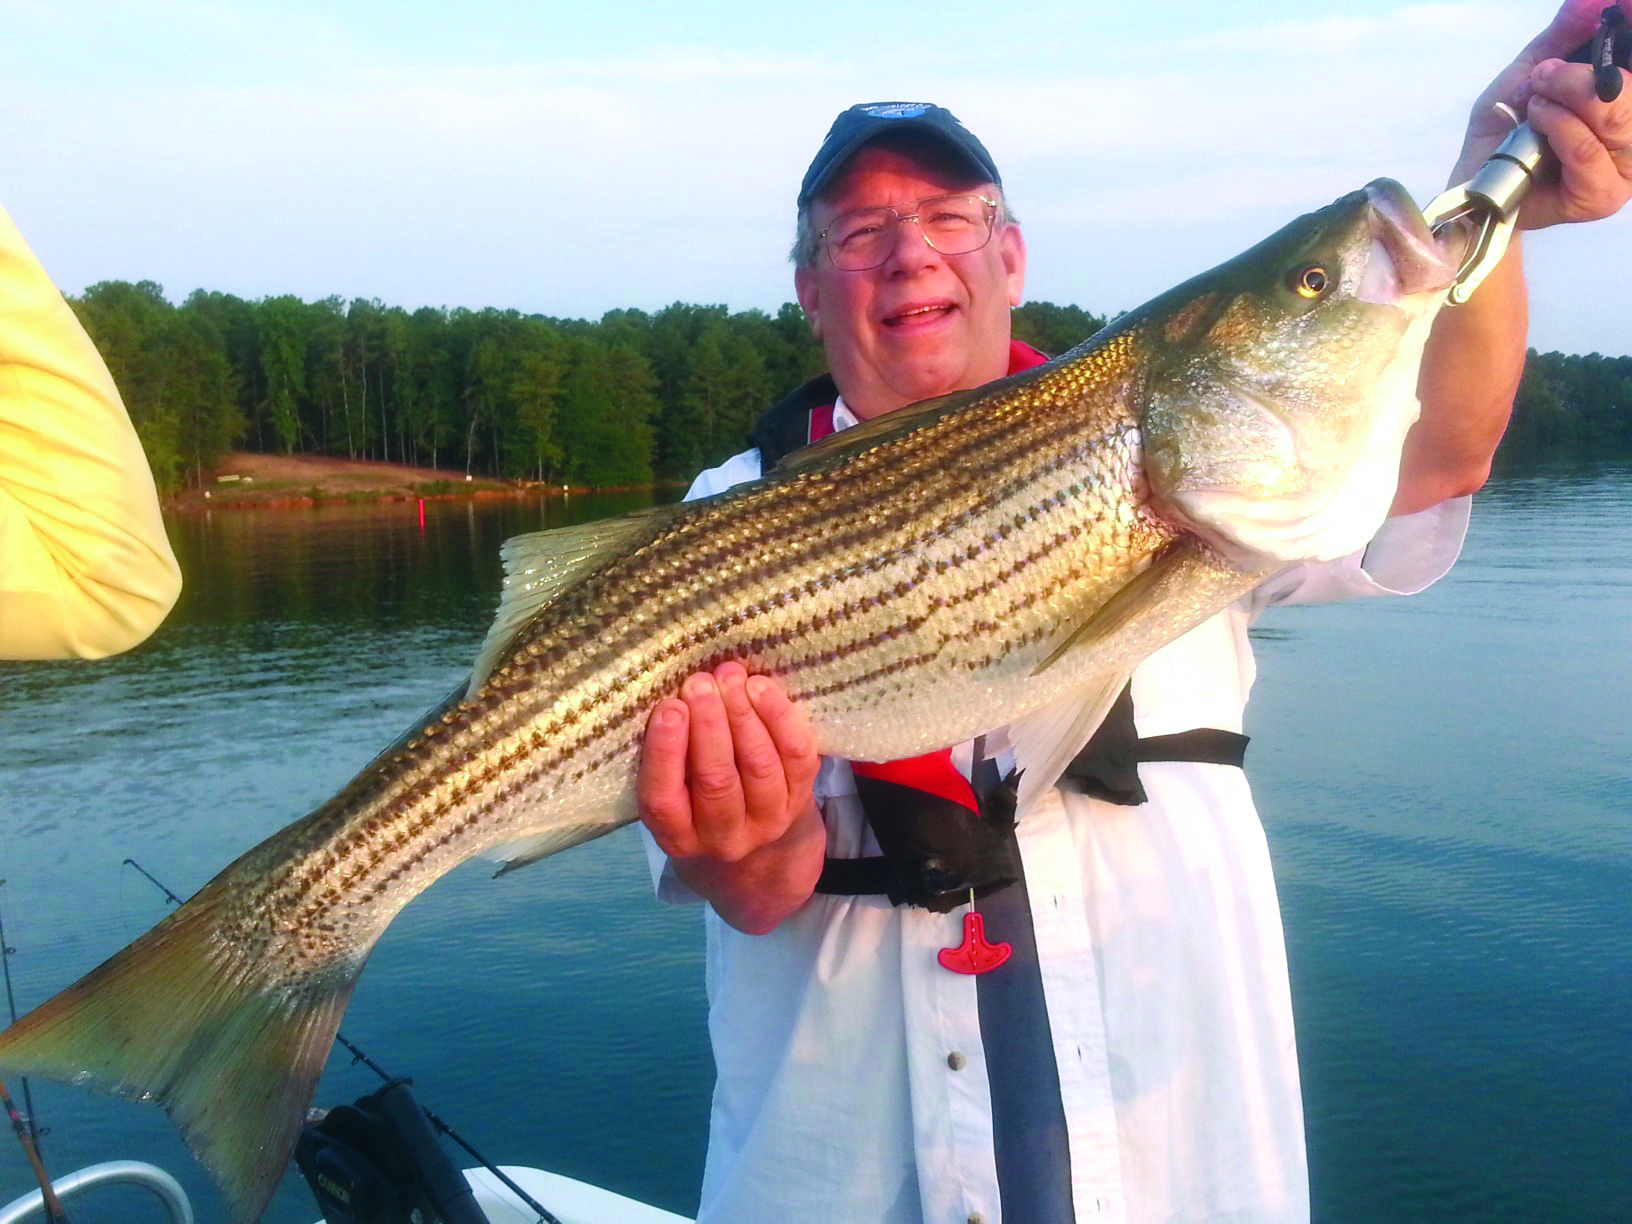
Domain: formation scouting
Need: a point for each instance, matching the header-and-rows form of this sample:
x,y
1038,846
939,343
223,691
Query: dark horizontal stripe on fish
x,y
385,842
718,546
803,629
813,623
789,668
528,660
386,838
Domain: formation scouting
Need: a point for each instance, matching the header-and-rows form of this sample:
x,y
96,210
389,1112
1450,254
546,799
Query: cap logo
x,y
896,110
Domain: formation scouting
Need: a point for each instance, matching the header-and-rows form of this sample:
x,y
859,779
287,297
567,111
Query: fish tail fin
x,y
184,1018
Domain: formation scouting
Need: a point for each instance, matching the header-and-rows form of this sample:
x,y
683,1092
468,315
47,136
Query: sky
x,y
570,158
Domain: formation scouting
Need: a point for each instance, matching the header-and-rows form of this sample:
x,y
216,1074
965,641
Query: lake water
x,y
1445,781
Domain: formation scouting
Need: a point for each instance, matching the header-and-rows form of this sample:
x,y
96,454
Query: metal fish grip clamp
x,y
1487,205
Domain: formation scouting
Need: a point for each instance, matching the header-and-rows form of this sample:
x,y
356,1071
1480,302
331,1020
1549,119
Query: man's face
x,y
920,324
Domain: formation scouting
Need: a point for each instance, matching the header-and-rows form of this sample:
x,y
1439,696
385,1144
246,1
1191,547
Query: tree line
x,y
1571,403
627,400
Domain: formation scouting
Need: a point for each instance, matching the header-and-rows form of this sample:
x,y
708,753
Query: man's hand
x,y
1590,138
1475,355
725,789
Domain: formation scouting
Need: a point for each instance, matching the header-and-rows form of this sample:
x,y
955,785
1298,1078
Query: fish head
x,y
1282,383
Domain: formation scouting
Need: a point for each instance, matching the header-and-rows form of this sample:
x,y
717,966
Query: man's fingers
x,y
716,790
660,788
1569,29
725,768
785,722
1575,22
1573,25
1584,134
759,767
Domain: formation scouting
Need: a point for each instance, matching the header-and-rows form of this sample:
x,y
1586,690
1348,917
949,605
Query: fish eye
x,y
1310,281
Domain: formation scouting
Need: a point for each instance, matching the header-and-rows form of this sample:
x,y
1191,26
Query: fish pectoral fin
x,y
514,855
1046,740
1168,572
189,1018
540,565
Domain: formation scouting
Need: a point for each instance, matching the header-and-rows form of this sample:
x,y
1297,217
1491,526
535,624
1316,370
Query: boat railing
x,y
112,1172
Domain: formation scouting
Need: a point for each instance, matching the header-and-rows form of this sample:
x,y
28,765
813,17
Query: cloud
x,y
457,157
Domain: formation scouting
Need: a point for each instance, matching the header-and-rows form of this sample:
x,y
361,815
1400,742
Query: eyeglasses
x,y
951,224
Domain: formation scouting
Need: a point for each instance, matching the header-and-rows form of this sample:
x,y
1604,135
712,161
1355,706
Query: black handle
x,y
1607,51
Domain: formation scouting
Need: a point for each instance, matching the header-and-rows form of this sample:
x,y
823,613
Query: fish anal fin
x,y
523,851
540,565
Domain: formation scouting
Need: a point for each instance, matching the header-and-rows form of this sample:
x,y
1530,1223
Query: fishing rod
x,y
174,900
48,1192
6,953
28,1134
392,1081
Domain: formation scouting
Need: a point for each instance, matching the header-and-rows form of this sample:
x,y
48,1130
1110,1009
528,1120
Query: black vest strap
x,y
935,851
1108,766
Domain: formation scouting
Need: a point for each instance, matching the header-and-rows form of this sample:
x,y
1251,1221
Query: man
x,y
1135,1059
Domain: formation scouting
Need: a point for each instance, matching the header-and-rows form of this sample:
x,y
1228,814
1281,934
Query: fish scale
x,y
1003,557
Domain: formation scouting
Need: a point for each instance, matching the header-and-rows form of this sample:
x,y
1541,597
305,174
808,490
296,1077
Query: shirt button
x,y
958,1062
976,1217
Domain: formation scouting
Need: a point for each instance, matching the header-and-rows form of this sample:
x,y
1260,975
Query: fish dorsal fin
x,y
901,420
1046,740
540,565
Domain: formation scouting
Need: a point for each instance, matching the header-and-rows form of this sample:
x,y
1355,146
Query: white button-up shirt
x,y
851,1074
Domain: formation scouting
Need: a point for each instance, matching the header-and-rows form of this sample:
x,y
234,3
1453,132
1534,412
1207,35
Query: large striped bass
x,y
999,557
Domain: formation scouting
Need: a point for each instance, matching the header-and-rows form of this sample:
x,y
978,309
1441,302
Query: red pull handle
x,y
974,954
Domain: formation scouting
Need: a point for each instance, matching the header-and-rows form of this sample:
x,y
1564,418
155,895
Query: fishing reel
x,y
378,1161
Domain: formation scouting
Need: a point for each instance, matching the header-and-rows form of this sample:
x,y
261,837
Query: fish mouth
x,y
1407,258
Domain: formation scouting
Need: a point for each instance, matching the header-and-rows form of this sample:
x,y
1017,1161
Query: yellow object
x,y
85,567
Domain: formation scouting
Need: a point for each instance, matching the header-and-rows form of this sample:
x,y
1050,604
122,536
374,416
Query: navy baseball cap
x,y
869,120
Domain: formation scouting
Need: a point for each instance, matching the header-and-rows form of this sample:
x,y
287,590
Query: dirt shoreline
x,y
246,480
